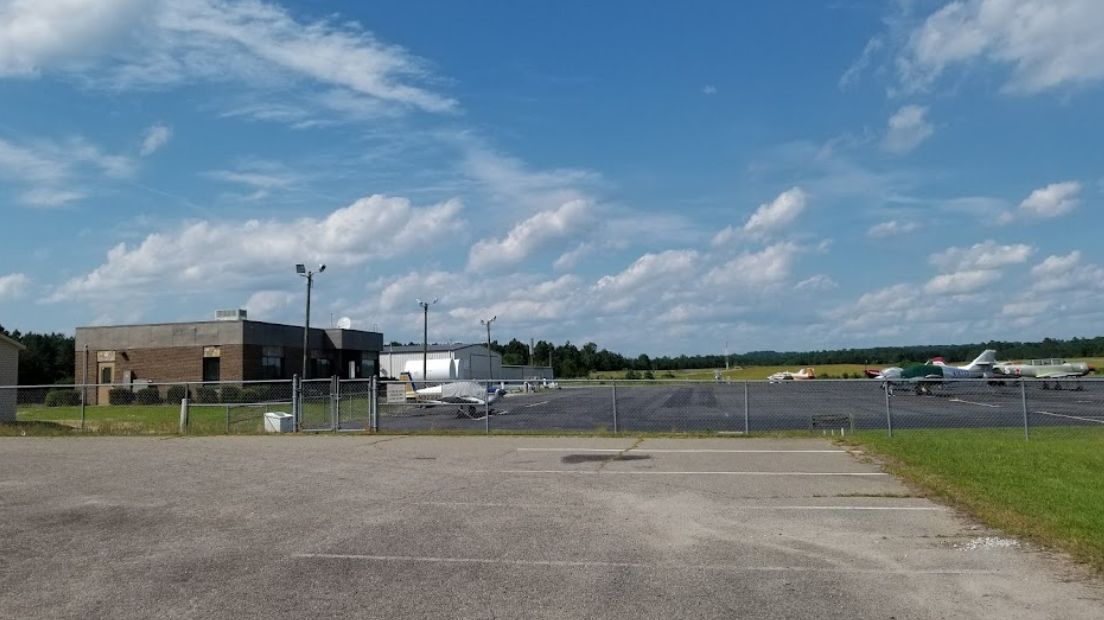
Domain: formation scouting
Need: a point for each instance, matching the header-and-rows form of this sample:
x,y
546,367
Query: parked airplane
x,y
466,394
937,369
801,375
1045,369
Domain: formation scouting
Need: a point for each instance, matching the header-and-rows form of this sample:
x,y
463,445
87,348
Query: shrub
x,y
254,394
62,398
648,374
631,374
231,394
120,396
148,396
206,395
176,393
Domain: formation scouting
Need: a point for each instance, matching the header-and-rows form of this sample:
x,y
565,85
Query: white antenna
x,y
344,322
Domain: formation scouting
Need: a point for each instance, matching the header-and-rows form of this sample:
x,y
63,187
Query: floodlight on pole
x,y
425,335
302,270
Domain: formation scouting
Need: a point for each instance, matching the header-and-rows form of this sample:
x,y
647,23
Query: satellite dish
x,y
344,322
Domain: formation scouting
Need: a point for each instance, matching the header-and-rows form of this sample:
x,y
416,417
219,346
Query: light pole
x,y
490,368
425,335
302,270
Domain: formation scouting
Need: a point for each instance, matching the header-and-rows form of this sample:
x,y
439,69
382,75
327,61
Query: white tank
x,y
437,369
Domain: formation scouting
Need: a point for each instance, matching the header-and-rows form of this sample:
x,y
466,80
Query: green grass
x,y
139,419
1047,489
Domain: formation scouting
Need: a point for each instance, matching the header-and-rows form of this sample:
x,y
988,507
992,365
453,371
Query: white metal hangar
x,y
447,362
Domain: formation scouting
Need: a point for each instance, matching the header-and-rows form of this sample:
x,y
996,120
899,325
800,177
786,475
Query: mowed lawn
x,y
1049,489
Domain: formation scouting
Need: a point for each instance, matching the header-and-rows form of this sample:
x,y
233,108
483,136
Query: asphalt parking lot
x,y
495,527
771,407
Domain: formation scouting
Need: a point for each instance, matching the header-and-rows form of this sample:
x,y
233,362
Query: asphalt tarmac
x,y
291,527
821,405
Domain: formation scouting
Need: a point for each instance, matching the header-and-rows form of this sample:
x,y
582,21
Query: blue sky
x,y
659,179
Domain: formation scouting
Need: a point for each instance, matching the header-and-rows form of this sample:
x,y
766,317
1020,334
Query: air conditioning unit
x,y
237,314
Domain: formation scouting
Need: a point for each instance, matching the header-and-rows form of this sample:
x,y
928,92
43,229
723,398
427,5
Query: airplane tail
x,y
987,359
408,380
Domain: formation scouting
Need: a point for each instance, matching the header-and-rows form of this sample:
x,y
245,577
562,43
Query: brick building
x,y
220,350
9,375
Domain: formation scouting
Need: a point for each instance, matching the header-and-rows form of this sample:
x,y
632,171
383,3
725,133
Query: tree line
x,y
49,358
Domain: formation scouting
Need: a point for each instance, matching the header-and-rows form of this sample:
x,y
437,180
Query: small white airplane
x,y
1045,369
801,375
466,394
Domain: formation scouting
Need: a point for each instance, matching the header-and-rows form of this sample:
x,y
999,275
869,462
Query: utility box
x,y
278,422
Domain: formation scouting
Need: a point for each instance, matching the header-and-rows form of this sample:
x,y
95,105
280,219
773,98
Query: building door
x,y
105,376
211,369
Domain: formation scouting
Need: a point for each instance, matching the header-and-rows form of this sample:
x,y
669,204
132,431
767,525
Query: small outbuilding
x,y
9,376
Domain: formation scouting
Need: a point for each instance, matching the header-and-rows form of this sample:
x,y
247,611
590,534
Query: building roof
x,y
322,328
433,348
12,341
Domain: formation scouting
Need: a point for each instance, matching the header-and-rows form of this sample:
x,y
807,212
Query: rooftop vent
x,y
236,314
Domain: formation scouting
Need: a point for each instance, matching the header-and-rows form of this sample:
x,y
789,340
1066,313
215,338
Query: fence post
x,y
614,406
184,415
487,408
335,402
295,404
746,425
889,411
373,404
227,419
1023,401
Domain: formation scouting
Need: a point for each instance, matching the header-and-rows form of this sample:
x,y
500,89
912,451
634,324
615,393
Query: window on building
x,y
272,363
211,370
367,365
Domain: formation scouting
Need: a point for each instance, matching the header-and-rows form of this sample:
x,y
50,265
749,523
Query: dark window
x,y
105,375
210,369
272,367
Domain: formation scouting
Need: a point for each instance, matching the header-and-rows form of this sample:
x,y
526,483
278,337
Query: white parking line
x,y
1071,417
970,402
693,451
641,565
678,473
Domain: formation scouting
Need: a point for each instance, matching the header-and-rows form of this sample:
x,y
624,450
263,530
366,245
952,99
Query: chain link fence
x,y
1027,406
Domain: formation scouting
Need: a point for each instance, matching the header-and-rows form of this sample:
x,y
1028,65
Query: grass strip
x,y
1047,490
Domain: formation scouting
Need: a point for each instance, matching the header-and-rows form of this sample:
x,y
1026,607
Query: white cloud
x,y
1053,200
56,173
511,182
761,269
268,304
1046,43
13,285
34,33
981,256
907,128
724,236
569,259
261,177
156,137
819,282
1026,308
961,282
167,42
860,65
709,89
778,213
528,236
228,255
891,228
1064,273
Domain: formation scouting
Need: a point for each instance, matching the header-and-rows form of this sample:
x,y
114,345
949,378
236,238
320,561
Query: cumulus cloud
x,y
767,267
269,303
891,228
528,236
156,137
227,255
170,42
778,213
907,128
1053,200
1046,43
13,286
1064,273
981,256
961,282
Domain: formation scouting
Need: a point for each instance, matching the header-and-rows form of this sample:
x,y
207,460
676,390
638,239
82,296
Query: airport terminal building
x,y
220,350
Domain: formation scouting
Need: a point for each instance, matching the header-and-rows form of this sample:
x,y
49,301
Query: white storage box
x,y
278,422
